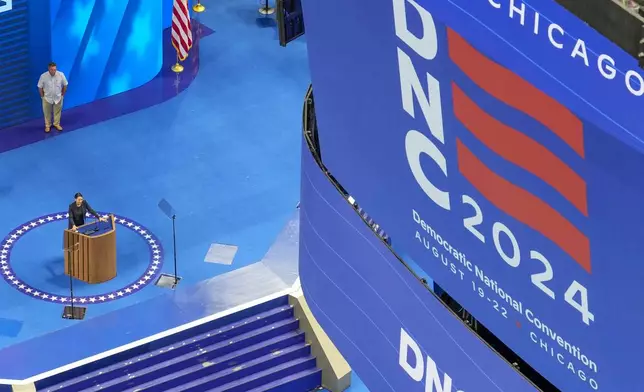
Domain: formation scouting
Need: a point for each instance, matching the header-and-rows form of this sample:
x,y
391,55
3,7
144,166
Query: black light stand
x,y
167,280
71,312
174,249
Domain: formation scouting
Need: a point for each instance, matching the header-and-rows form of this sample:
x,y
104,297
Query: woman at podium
x,y
77,211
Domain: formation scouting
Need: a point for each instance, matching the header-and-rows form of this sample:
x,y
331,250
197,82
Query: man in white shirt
x,y
52,86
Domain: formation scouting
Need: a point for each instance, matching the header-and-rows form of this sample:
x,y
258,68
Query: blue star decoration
x,y
154,267
110,4
93,48
120,83
140,37
82,11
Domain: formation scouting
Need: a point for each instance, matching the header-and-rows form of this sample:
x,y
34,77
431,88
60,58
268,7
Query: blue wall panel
x,y
167,13
14,62
498,144
367,302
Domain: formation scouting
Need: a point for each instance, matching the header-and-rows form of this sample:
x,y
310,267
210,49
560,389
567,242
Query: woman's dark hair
x,y
77,195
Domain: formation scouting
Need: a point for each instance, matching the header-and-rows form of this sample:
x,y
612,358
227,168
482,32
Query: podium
x,y
90,252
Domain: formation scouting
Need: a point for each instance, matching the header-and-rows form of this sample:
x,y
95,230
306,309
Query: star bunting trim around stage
x,y
149,276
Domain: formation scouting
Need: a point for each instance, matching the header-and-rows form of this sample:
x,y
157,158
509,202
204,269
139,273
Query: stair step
x,y
149,347
204,354
207,378
307,380
166,353
253,380
284,343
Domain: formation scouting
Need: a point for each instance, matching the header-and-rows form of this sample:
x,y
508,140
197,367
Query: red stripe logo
x,y
514,91
519,149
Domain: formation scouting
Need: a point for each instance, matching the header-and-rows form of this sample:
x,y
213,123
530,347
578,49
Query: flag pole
x,y
181,33
177,68
266,9
198,7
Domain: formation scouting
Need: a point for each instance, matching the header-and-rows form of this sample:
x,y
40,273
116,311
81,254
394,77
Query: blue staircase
x,y
260,349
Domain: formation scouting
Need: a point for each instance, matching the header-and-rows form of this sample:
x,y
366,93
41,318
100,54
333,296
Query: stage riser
x,y
129,378
256,381
272,369
155,345
186,355
303,381
263,350
298,349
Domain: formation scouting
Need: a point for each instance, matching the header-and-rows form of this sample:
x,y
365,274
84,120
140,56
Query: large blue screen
x,y
496,142
106,47
393,331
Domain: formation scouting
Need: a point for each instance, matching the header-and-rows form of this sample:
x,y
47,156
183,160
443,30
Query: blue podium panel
x,y
496,142
393,331
96,228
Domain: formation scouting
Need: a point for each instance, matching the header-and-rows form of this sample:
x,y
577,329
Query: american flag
x,y
181,29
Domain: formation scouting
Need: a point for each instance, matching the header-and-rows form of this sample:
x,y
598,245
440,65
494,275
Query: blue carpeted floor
x,y
356,385
225,153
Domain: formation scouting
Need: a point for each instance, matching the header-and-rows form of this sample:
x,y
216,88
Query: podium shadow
x,y
56,277
10,328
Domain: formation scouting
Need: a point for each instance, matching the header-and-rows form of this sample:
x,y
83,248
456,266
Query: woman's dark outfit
x,y
77,214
